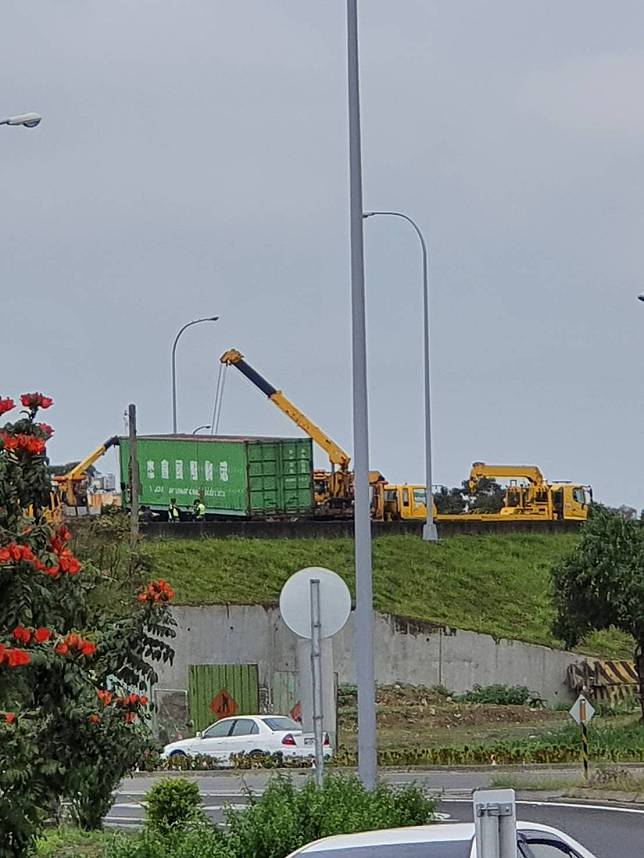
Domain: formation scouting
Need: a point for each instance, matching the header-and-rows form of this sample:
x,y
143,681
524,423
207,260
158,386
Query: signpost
x,y
315,603
495,822
582,712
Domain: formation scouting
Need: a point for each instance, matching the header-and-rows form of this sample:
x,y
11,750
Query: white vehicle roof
x,y
439,832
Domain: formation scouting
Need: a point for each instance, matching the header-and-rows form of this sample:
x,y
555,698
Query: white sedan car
x,y
249,734
451,840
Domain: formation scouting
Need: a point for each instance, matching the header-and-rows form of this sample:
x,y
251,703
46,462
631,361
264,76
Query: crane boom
x,y
517,472
66,481
337,456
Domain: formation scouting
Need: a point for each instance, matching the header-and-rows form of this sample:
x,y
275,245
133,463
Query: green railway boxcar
x,y
235,476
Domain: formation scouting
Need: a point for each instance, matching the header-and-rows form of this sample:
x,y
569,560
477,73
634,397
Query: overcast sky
x,y
193,161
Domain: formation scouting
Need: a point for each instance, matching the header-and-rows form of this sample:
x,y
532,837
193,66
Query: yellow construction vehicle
x,y
529,497
333,490
400,502
72,486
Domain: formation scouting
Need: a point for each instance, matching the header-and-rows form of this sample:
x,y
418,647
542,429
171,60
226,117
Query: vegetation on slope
x,y
494,584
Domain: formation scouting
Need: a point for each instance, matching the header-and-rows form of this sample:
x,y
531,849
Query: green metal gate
x,y
284,693
220,690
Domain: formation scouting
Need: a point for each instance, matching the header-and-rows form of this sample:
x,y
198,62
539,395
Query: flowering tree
x,y
71,723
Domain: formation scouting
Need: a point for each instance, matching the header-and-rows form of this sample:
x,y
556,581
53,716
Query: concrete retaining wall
x,y
406,652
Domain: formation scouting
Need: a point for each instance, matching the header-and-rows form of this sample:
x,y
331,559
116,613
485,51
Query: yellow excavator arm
x,y
336,454
504,472
66,481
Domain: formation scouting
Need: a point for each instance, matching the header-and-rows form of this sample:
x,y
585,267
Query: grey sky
x,y
193,160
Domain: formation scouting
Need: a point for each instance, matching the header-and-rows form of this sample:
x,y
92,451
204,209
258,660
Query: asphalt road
x,y
608,831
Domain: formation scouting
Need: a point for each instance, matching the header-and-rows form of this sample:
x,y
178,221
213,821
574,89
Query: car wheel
x,y
256,754
178,754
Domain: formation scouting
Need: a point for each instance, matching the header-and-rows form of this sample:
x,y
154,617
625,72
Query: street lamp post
x,y
174,366
430,534
27,120
199,428
365,674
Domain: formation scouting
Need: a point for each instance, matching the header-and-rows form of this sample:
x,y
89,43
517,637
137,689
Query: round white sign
x,y
295,601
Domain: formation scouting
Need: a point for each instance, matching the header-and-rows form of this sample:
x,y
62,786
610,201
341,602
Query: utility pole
x,y
365,672
134,480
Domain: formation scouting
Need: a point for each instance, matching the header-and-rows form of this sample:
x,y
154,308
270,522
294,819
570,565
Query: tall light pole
x,y
365,674
430,534
174,366
27,120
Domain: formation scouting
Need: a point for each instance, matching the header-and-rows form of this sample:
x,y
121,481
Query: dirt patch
x,y
428,717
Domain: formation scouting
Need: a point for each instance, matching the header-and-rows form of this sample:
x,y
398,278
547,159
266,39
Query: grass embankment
x,y
493,584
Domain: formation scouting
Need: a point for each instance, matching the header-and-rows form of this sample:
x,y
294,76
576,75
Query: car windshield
x,y
444,849
278,725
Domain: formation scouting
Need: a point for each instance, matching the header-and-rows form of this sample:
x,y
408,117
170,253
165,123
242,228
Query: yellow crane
x,y
529,497
72,485
334,488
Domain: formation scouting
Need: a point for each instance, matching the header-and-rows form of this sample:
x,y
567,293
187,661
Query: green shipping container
x,y
234,476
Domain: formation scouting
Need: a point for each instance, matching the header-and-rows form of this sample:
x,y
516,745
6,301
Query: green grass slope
x,y
494,584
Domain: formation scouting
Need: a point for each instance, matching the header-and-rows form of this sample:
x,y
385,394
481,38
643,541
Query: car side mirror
x,y
199,734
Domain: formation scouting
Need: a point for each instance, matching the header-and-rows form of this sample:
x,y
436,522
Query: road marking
x,y
568,804
582,806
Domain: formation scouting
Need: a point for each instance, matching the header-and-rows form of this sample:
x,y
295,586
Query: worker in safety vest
x,y
198,510
173,511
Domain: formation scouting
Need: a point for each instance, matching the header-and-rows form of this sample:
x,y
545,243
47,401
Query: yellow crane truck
x,y
334,488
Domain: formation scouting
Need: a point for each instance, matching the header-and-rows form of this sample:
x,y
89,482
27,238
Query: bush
x,y
199,841
285,818
172,804
501,695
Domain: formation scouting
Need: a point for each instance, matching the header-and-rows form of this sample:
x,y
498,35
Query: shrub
x,y
285,818
172,805
501,695
199,841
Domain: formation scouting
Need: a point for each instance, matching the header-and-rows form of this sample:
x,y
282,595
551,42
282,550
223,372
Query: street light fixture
x,y
27,120
641,296
430,534
199,428
174,366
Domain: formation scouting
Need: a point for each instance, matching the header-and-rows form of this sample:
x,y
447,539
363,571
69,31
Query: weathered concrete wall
x,y
406,651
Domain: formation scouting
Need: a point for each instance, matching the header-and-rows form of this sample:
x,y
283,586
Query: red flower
x,y
5,555
9,442
16,657
61,648
41,635
6,404
36,400
22,635
87,648
9,717
46,429
67,562
94,719
143,700
30,444
104,696
156,591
